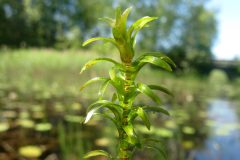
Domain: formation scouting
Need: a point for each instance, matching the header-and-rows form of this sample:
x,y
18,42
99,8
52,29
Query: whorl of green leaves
x,y
122,78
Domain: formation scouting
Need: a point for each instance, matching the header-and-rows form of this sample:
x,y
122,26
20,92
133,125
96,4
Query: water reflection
x,y
223,142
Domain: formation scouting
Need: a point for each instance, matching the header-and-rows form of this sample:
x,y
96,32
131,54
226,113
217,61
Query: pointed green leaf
x,y
129,130
124,18
147,91
110,118
156,109
111,40
117,80
94,61
97,153
155,61
161,151
95,79
131,138
90,114
114,108
143,115
118,15
139,24
160,55
114,97
168,60
160,88
103,88
108,20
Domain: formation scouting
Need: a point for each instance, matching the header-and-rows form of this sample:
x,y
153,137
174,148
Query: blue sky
x,y
227,45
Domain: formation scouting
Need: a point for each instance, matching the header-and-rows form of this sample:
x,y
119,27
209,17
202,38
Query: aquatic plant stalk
x,y
121,110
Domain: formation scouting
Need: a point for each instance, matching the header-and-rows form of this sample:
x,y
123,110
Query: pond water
x,y
223,142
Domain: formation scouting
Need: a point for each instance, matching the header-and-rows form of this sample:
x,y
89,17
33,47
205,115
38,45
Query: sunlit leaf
x,y
156,109
108,20
161,151
129,130
90,114
114,97
158,55
115,108
147,91
111,40
94,61
143,115
95,79
124,17
139,24
118,15
110,118
160,88
103,88
97,153
131,135
155,61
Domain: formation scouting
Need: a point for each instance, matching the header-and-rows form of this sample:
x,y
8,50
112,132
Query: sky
x,y
227,45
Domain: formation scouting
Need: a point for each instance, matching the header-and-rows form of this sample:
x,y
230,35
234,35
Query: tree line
x,y
186,29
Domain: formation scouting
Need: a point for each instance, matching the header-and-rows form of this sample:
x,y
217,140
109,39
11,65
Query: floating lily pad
x,y
170,124
30,151
26,123
59,107
24,114
9,114
37,108
38,115
163,132
74,118
188,130
188,144
102,142
76,106
42,127
4,126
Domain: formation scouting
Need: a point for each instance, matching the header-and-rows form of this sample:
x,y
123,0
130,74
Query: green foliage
x,y
122,77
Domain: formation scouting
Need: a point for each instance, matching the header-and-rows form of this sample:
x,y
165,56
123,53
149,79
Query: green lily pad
x,y
24,114
163,132
76,106
170,124
30,151
38,114
188,144
42,127
9,114
4,126
25,123
188,130
74,118
102,142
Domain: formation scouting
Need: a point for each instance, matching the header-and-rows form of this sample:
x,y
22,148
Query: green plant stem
x,y
125,148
